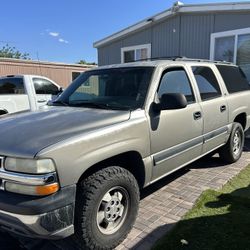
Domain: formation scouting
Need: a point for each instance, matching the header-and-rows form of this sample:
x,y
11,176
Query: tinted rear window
x,y
234,78
13,85
207,82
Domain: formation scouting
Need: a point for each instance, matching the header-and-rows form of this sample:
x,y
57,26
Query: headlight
x,y
29,165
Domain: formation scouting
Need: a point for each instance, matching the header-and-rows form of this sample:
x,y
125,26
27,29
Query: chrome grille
x,y
1,162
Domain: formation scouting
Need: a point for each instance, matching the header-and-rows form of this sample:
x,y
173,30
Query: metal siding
x,y
110,54
141,37
165,38
191,37
231,21
195,35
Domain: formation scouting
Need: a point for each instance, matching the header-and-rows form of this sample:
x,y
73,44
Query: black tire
x,y
229,152
3,112
90,200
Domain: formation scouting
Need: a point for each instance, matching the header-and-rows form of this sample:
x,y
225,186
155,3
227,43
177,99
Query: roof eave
x,y
189,8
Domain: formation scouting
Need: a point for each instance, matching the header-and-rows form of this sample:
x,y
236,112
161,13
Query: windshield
x,y
117,88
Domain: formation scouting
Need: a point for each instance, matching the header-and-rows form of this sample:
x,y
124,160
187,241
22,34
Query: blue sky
x,y
64,30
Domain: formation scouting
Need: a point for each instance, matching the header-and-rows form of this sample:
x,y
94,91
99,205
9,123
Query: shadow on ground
x,y
11,242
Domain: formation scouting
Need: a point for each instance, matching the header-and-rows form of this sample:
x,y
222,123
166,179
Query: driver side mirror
x,y
58,92
171,101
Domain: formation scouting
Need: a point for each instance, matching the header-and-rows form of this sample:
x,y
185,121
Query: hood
x,y
25,134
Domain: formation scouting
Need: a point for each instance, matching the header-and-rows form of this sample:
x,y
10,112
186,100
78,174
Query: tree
x,y
86,63
11,52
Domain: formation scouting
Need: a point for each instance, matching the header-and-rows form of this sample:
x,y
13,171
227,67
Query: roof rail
x,y
172,58
182,58
202,60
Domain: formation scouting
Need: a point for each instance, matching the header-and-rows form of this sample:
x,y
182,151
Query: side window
x,y
234,78
207,83
45,87
175,80
13,86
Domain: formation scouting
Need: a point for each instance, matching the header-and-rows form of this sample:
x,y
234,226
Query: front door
x,y
176,135
45,90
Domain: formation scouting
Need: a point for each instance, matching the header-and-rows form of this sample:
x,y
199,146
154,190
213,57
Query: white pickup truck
x,y
25,92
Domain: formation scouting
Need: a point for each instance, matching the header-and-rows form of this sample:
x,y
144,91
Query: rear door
x,y
214,107
176,135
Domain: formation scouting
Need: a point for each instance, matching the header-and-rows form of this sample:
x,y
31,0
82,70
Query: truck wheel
x,y
232,150
106,207
3,112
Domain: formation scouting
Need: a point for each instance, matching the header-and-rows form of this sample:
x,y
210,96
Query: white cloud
x,y
61,40
55,34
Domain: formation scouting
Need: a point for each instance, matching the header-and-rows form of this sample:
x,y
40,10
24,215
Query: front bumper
x,y
49,217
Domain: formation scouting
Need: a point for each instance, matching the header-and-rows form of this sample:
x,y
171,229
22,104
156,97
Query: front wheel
x,y
106,208
232,150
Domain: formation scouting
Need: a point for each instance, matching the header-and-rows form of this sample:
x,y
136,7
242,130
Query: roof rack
x,y
182,58
172,58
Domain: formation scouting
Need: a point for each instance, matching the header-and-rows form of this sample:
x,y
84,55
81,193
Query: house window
x,y
232,46
75,75
135,53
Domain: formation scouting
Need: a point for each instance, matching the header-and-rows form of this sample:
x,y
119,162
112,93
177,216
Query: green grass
x,y
219,220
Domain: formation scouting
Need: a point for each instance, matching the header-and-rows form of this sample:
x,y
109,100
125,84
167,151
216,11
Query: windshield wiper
x,y
99,105
54,103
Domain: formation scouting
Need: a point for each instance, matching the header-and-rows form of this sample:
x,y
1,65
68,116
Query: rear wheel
x,y
106,208
232,150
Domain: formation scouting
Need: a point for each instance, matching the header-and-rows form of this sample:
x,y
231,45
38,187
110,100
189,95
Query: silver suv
x,y
75,168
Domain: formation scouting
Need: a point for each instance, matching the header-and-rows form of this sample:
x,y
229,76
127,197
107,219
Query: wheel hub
x,y
236,143
112,209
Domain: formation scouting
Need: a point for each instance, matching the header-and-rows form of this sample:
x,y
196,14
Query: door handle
x,y
197,115
41,100
223,108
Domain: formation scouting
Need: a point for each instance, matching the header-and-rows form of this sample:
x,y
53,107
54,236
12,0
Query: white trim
x,y
212,47
229,33
163,15
189,8
216,7
141,46
235,48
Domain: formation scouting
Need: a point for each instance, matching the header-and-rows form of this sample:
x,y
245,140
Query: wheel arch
x,y
242,119
130,160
